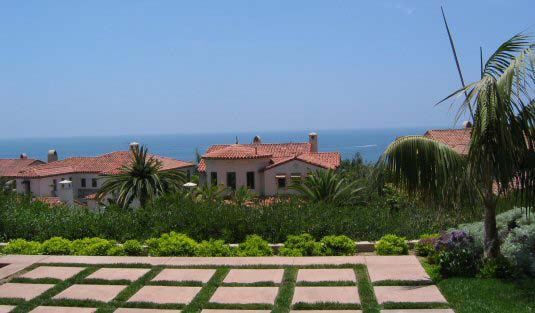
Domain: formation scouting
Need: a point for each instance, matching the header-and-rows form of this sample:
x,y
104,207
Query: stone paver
x,y
8,308
130,274
104,293
197,275
413,294
165,294
57,272
245,295
343,295
326,275
59,309
395,268
235,311
249,276
23,291
419,311
125,310
325,311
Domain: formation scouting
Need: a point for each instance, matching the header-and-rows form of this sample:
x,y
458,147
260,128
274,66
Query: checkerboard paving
x,y
157,287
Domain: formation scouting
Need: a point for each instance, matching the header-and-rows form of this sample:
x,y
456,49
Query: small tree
x,y
141,179
327,186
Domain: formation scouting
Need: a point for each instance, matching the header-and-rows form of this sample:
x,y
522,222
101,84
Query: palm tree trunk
x,y
492,241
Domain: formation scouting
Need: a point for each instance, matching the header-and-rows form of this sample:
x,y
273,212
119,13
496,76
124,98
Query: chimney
x,y
257,140
467,124
313,140
134,146
65,192
23,156
52,155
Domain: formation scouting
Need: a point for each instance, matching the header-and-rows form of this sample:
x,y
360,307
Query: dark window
x,y
213,178
94,182
83,183
250,180
55,185
281,182
296,178
188,175
231,180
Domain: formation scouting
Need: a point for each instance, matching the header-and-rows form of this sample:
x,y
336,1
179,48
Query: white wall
x,y
241,167
288,168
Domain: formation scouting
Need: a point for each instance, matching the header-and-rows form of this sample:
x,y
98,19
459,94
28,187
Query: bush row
x,y
176,244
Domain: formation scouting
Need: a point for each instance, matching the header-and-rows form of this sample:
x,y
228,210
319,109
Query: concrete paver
x,y
130,274
59,309
57,272
185,274
165,294
129,310
249,276
9,308
419,311
103,293
395,268
414,294
343,295
23,291
326,275
245,295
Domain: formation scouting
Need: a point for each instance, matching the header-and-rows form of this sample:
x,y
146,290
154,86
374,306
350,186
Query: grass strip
x,y
186,283
135,286
22,280
325,283
415,305
403,283
255,284
325,306
283,301
203,297
95,281
367,295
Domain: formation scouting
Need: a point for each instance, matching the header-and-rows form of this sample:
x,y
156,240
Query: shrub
x,y
213,248
92,246
458,255
500,268
57,246
117,251
338,245
172,244
133,247
426,245
254,245
519,247
21,246
300,245
392,245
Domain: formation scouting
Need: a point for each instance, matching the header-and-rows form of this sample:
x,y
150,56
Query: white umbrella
x,y
190,184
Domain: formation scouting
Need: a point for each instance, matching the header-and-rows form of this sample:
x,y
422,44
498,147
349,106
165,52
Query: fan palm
x,y
501,155
141,179
210,193
327,187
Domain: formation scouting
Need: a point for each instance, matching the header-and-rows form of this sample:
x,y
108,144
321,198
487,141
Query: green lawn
x,y
474,295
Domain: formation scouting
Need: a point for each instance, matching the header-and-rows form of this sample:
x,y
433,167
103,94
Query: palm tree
x,y
328,187
141,179
500,160
210,193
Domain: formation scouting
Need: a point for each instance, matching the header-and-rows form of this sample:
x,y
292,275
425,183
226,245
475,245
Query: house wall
x,y
289,168
43,187
241,167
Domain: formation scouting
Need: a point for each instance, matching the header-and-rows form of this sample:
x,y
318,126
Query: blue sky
x,y
70,68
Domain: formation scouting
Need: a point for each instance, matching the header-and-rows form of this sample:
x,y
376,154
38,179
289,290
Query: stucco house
x,y
457,139
265,168
77,179
9,168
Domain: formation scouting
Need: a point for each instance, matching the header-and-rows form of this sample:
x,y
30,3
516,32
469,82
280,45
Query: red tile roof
x,y
457,139
278,153
107,164
11,167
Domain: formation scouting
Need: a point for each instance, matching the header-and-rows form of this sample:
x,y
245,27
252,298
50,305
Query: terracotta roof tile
x,y
107,164
237,151
457,139
11,167
328,160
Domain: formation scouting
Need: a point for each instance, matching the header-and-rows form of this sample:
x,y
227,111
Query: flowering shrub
x,y
458,255
300,245
426,245
172,244
213,248
392,245
338,245
254,245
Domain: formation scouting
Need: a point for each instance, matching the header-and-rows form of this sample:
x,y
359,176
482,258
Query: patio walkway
x,y
72,284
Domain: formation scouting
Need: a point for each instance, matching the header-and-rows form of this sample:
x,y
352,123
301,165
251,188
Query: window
x,y
231,180
54,185
213,178
188,175
250,180
94,182
296,178
83,183
281,181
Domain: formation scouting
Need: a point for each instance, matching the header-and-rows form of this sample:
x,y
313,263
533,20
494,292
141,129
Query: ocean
x,y
370,143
